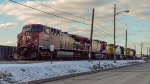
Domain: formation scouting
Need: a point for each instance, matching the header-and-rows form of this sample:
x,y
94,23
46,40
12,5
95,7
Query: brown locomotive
x,y
38,41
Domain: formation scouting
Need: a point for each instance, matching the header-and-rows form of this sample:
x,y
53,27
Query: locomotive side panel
x,y
71,42
49,37
44,41
64,41
99,46
55,39
128,53
94,46
110,51
103,47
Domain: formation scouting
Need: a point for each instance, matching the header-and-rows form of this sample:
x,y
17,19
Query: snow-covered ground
x,y
18,73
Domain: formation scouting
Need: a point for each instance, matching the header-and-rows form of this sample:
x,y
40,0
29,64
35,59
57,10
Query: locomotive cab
x,y
37,41
28,41
30,36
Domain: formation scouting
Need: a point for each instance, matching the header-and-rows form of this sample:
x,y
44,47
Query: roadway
x,y
137,74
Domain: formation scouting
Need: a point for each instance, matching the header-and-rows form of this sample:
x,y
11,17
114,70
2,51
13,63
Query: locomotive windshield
x,y
26,29
33,29
36,29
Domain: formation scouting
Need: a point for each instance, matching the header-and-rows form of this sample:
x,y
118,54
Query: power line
x,y
60,10
116,37
48,13
66,12
52,14
103,27
74,15
108,33
103,31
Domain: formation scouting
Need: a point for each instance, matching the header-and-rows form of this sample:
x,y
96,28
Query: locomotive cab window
x,y
52,30
26,29
32,29
36,29
57,32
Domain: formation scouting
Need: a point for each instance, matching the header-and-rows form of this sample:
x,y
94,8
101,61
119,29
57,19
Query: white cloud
x,y
138,8
147,36
8,25
103,10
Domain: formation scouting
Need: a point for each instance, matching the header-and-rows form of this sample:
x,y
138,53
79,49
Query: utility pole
x,y
147,51
90,53
127,11
141,49
126,45
114,33
135,51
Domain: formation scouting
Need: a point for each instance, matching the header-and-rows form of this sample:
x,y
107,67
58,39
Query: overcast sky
x,y
13,17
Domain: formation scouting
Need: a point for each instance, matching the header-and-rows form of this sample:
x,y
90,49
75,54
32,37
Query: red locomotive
x,y
38,41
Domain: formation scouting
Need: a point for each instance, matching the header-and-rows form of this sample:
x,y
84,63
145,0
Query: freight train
x,y
37,41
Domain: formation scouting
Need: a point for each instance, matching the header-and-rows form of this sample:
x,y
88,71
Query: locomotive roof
x,y
112,45
73,35
77,36
30,25
100,41
40,25
116,46
132,49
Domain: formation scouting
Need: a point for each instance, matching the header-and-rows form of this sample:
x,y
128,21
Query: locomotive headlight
x,y
29,37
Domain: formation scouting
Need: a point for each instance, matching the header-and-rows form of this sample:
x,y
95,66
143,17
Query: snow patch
x,y
18,73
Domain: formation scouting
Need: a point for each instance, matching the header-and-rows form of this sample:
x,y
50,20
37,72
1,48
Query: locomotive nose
x,y
32,38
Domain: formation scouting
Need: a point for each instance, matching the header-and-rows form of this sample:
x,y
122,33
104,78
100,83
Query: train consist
x,y
38,41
